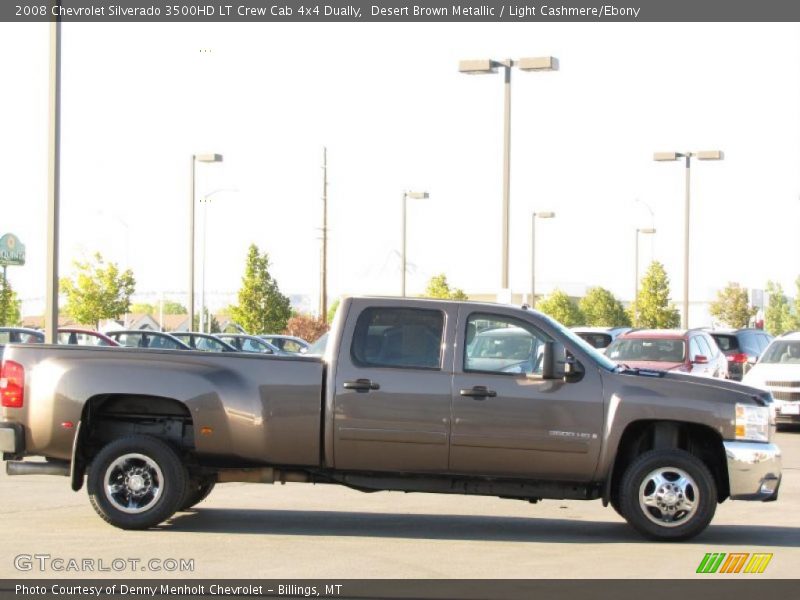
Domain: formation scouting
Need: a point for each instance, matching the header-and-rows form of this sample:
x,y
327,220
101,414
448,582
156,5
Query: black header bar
x,y
380,11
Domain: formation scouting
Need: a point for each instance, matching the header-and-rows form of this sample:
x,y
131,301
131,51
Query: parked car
x,y
20,335
250,343
742,347
67,335
600,337
778,370
693,351
503,349
396,404
141,338
203,341
83,337
287,343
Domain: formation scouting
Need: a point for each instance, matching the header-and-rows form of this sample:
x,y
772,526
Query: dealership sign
x,y
12,251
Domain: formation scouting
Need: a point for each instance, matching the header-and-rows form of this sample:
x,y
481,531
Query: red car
x,y
84,337
693,351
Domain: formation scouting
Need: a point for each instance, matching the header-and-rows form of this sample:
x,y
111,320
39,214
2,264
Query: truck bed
x,y
270,406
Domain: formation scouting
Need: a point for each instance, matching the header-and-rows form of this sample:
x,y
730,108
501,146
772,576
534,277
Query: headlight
x,y
752,423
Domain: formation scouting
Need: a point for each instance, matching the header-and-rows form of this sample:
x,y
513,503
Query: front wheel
x,y
136,482
668,495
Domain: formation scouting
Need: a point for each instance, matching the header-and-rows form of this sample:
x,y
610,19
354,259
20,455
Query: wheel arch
x,y
109,416
650,434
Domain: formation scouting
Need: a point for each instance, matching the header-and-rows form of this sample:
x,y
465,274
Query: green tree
x,y
173,308
439,288
332,310
142,308
655,309
601,308
562,308
732,306
211,324
97,291
778,316
261,308
796,324
10,305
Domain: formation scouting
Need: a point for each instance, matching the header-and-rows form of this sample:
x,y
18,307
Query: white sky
x,y
394,112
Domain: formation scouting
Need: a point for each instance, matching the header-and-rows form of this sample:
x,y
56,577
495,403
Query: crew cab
x,y
411,395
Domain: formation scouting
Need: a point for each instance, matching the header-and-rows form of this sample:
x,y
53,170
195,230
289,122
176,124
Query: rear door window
x,y
694,348
705,348
749,344
398,337
726,343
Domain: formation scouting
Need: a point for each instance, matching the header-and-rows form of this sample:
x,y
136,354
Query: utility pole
x,y
323,286
53,184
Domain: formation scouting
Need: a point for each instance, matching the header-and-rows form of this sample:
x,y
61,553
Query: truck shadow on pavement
x,y
454,527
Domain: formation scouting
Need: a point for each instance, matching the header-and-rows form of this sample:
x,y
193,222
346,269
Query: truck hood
x,y
652,365
685,386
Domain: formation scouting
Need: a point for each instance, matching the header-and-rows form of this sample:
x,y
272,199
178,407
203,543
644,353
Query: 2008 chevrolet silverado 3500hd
x,y
411,395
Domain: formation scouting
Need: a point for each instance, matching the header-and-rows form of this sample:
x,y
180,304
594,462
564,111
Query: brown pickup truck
x,y
411,395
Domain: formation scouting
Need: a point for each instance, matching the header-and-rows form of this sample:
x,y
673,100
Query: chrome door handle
x,y
361,385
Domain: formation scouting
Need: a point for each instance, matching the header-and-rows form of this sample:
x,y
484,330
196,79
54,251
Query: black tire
x,y
661,513
196,491
150,478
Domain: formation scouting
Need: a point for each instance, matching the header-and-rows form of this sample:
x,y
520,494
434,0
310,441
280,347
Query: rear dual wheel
x,y
137,482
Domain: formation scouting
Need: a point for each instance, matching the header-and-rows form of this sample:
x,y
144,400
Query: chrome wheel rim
x,y
133,483
669,496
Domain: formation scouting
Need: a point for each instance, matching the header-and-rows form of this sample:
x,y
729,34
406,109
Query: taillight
x,y
12,384
740,358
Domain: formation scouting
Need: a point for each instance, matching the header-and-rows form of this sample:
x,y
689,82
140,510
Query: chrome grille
x,y
785,384
786,395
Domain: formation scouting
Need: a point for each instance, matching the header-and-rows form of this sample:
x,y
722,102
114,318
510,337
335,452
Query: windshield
x,y
599,358
647,350
782,352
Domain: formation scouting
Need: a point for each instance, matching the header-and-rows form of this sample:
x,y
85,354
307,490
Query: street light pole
x,y
477,67
208,158
413,196
206,199
504,285
673,156
646,230
534,216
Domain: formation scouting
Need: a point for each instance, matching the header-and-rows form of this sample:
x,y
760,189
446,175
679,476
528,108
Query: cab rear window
x,y
398,337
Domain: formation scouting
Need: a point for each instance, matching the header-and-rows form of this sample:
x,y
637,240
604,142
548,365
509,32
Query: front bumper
x,y
754,470
12,440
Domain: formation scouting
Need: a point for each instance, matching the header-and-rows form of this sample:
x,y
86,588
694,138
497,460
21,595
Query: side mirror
x,y
699,359
752,360
553,361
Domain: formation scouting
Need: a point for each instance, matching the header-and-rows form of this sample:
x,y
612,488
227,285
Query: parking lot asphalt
x,y
326,531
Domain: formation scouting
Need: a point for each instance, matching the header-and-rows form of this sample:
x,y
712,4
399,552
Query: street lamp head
x,y
538,63
208,157
646,230
665,156
710,155
417,195
544,215
477,67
